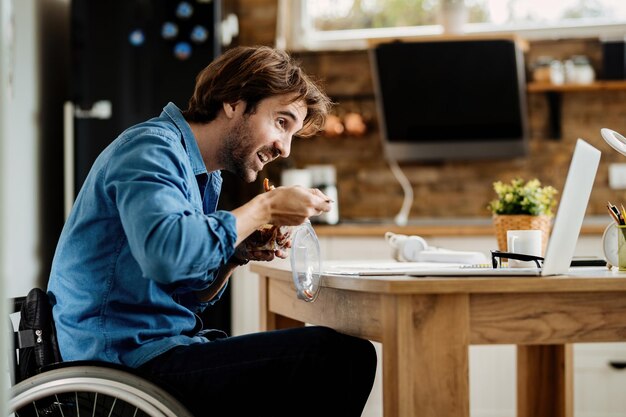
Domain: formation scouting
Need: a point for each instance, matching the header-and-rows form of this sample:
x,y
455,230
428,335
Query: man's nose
x,y
284,147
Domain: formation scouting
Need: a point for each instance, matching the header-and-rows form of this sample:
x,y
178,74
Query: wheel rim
x,y
84,391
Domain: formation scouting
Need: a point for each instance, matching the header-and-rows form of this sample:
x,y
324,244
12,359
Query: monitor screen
x,y
458,99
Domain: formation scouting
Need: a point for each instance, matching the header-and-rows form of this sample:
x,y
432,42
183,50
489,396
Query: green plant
x,y
519,197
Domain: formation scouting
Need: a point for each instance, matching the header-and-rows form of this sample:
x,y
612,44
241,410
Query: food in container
x,y
268,236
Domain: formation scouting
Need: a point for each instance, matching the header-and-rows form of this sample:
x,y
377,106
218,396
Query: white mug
x,y
527,242
300,177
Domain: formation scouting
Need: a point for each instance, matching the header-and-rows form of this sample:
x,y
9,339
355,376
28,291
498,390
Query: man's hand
x,y
283,206
294,205
253,250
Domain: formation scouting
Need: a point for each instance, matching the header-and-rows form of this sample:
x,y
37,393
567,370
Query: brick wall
x,y
367,188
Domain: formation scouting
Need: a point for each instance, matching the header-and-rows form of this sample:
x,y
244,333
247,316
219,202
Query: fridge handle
x,y
68,157
101,109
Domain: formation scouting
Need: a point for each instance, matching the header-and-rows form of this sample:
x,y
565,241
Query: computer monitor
x,y
451,99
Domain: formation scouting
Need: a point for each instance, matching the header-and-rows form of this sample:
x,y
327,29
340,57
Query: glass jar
x,y
541,69
557,74
583,72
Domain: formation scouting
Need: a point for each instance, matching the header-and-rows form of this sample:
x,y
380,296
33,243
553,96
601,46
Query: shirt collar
x,y
189,140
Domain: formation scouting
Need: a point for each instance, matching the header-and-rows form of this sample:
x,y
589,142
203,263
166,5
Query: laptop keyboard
x,y
474,266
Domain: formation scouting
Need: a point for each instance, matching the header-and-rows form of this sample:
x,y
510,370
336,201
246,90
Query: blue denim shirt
x,y
143,235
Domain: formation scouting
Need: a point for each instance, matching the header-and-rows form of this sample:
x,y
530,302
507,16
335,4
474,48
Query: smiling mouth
x,y
263,157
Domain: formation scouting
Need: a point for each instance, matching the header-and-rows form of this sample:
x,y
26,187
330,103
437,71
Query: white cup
x,y
300,177
527,242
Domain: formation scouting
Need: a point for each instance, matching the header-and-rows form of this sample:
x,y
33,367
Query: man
x,y
144,249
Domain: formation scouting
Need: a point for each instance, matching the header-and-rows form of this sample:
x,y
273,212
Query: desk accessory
x,y
527,242
614,245
415,249
522,205
614,139
609,244
568,221
588,261
613,239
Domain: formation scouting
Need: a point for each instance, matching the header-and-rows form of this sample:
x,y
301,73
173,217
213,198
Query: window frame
x,y
294,34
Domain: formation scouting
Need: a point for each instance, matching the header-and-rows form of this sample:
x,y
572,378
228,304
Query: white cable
x,y
402,217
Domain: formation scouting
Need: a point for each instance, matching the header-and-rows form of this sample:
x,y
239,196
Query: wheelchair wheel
x,y
91,391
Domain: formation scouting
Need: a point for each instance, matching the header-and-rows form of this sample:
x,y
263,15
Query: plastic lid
x,y
306,262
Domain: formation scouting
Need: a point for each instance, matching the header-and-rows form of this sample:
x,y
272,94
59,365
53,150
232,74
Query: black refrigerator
x,y
129,58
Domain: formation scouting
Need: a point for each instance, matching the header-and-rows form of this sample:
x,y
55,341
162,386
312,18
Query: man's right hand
x,y
283,206
294,205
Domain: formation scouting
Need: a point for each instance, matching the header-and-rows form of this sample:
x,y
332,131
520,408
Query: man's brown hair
x,y
252,74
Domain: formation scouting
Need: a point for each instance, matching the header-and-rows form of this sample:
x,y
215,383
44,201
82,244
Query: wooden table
x,y
427,324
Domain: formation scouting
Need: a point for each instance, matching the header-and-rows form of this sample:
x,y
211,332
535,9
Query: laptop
x,y
561,246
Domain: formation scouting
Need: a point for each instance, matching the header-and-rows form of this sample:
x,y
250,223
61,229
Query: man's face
x,y
258,138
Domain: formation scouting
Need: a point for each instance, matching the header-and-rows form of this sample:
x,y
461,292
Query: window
x,y
339,24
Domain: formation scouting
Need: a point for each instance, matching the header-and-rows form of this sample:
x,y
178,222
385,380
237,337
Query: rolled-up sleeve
x,y
168,233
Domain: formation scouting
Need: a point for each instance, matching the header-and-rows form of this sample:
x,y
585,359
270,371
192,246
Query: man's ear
x,y
231,109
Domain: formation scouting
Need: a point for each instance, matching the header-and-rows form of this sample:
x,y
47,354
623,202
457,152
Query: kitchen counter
x,y
437,227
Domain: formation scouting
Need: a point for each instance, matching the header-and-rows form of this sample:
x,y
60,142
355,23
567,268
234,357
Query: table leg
x,y
545,381
425,355
270,320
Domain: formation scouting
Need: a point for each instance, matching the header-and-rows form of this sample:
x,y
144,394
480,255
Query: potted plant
x,y
522,205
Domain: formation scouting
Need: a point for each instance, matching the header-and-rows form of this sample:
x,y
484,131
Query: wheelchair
x,y
76,388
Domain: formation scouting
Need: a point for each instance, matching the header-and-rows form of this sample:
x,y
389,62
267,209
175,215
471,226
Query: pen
x,y
613,213
618,215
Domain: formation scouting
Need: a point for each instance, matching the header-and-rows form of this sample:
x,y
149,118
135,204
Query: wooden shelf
x,y
554,95
537,87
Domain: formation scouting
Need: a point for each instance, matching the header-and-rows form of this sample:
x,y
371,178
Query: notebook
x,y
560,248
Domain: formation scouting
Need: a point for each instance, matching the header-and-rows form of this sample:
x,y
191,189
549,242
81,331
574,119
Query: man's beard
x,y
236,151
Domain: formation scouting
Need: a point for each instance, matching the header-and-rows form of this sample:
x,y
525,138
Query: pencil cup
x,y
621,248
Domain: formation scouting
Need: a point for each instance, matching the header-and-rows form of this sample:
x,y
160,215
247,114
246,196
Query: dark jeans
x,y
307,371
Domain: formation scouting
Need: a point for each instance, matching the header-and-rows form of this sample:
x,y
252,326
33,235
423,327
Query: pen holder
x,y
621,248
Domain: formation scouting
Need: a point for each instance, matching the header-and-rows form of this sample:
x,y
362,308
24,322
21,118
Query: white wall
x,y
4,21
19,160
25,114
18,168
34,88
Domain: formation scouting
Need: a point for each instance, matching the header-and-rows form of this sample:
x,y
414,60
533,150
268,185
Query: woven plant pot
x,y
504,222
